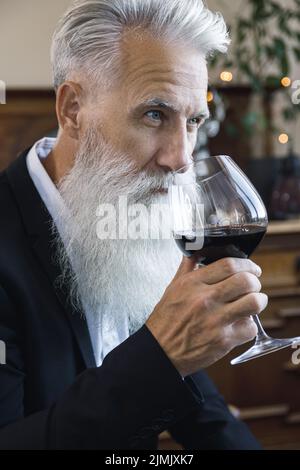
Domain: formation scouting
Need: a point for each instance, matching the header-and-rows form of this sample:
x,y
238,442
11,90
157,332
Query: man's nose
x,y
175,152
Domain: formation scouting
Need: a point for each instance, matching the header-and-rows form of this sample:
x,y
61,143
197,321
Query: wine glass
x,y
217,213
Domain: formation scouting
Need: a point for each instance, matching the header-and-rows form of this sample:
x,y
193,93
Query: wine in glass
x,y
217,213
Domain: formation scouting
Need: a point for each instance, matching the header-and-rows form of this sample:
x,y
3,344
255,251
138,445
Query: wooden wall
x,y
27,117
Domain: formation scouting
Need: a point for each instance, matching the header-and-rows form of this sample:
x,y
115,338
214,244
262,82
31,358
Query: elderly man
x,y
106,338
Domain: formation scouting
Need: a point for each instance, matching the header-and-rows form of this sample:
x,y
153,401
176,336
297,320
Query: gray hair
x,y
89,35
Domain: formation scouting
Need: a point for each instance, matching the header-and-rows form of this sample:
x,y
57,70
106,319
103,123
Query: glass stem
x,y
261,334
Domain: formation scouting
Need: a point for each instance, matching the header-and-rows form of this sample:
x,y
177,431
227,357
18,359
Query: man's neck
x,y
60,160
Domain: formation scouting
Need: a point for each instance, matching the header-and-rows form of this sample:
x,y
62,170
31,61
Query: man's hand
x,y
205,312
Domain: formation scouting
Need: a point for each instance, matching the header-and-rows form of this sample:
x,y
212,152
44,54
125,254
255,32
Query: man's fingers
x,y
237,286
250,304
226,267
244,330
187,265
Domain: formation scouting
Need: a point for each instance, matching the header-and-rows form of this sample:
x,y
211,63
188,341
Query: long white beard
x,y
111,279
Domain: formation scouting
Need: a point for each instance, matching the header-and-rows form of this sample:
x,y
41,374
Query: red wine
x,y
222,242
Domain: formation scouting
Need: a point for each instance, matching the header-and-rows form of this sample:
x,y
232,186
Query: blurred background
x,y
254,97
251,94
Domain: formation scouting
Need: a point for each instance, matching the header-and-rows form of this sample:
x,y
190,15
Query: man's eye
x,y
155,115
196,122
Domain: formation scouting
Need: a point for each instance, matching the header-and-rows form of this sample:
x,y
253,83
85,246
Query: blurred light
x,y
210,96
283,138
226,76
286,81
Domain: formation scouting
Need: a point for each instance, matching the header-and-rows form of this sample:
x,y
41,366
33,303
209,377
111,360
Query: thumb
x,y
187,265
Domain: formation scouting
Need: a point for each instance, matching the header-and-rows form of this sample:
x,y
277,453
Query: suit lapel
x,y
37,222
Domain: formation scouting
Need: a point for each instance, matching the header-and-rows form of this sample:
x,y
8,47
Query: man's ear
x,y
68,106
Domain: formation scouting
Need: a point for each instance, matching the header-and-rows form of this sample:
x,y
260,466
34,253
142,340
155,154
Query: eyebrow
x,y
164,104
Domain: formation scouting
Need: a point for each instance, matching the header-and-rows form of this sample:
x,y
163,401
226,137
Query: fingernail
x,y
259,271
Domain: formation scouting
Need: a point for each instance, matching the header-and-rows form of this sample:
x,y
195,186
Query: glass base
x,y
263,347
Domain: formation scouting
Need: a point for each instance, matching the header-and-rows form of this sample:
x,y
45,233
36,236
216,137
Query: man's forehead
x,y
156,65
162,78
170,85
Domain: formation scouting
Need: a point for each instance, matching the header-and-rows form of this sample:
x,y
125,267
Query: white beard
x,y
111,279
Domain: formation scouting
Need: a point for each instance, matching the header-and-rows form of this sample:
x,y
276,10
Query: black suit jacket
x,y
52,395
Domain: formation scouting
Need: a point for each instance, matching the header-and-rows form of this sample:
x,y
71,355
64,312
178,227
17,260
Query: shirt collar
x,y
42,181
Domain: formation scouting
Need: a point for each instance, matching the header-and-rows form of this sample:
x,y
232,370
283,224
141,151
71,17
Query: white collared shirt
x,y
42,181
102,340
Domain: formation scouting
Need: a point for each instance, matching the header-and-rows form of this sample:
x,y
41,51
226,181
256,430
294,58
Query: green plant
x,y
265,37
